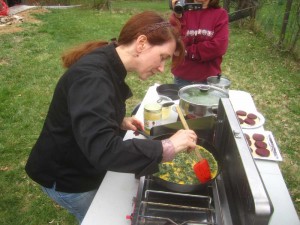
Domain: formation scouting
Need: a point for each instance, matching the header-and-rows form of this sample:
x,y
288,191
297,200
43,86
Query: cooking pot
x,y
199,100
219,81
186,188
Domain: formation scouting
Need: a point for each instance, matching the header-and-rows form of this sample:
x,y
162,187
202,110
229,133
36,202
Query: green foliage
x,y
30,67
270,19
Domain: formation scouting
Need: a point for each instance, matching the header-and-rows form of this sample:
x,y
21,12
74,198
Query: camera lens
x,y
178,8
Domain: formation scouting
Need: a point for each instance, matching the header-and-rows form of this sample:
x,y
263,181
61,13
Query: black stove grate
x,y
156,205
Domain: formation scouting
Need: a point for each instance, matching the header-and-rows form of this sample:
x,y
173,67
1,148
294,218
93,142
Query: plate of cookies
x,y
263,145
250,120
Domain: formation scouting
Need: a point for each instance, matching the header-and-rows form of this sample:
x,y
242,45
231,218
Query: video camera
x,y
182,5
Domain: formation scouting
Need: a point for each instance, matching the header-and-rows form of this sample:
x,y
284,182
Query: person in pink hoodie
x,y
205,34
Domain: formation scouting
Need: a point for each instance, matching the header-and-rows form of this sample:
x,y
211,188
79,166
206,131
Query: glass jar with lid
x,y
152,115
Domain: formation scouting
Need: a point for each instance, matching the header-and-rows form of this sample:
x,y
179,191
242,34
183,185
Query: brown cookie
x,y
241,113
249,142
262,152
247,136
251,116
260,144
258,137
249,121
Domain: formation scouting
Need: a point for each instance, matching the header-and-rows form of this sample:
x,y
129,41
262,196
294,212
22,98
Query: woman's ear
x,y
141,43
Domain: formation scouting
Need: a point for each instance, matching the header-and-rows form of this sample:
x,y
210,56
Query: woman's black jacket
x,y
80,138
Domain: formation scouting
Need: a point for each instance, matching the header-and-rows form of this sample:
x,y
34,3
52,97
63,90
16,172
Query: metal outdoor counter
x,y
113,202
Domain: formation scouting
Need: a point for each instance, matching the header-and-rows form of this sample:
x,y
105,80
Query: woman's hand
x,y
184,140
132,123
174,3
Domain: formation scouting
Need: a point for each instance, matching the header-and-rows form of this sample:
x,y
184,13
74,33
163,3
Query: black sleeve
x,y
94,117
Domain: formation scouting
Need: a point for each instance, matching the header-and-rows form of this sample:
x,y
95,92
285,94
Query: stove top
x,y
157,205
236,196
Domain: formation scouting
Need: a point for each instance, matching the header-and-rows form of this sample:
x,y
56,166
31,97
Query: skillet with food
x,y
181,178
179,175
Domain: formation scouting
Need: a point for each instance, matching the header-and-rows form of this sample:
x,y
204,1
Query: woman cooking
x,y
80,139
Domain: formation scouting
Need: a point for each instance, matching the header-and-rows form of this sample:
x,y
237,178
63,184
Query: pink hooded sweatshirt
x,y
205,35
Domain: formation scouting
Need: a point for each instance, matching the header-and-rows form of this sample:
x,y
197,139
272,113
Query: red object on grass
x,y
3,8
202,171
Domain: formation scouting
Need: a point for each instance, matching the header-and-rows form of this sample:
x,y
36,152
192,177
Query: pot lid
x,y
201,94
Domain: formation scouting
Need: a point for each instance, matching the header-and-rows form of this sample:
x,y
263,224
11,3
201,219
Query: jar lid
x,y
153,107
201,94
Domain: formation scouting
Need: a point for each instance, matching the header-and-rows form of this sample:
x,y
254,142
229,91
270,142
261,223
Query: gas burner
x,y
156,205
148,220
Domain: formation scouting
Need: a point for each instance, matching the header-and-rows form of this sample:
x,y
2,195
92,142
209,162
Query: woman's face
x,y
203,2
152,58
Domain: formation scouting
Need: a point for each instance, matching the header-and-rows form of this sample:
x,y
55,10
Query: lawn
x,y
30,67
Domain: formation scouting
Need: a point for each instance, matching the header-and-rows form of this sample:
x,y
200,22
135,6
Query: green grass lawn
x,y
30,67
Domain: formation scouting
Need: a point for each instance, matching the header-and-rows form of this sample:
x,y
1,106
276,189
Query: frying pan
x,y
187,188
169,90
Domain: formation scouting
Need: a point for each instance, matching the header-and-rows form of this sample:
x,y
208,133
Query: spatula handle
x,y
186,127
182,119
198,154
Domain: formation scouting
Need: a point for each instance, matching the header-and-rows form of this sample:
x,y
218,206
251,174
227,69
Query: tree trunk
x,y
104,4
107,4
297,36
285,21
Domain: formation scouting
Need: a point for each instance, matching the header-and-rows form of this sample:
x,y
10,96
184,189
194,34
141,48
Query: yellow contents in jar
x,y
166,111
152,116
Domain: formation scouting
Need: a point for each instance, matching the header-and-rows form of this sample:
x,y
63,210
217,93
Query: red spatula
x,y
201,168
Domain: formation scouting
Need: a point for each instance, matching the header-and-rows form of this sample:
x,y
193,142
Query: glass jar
x,y
152,116
166,104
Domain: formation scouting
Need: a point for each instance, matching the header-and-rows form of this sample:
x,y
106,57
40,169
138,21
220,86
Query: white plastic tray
x,y
272,146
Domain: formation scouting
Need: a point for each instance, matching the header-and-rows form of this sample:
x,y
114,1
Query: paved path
x,y
20,8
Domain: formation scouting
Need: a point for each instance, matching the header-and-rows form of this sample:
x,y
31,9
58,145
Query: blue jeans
x,y
76,203
181,82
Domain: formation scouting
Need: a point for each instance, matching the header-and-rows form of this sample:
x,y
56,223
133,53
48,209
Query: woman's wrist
x,y
168,150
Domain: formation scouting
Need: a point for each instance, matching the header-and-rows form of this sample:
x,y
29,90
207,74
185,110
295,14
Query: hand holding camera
x,y
179,6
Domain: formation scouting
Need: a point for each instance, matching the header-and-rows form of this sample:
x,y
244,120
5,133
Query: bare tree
x,y
297,35
285,21
102,4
